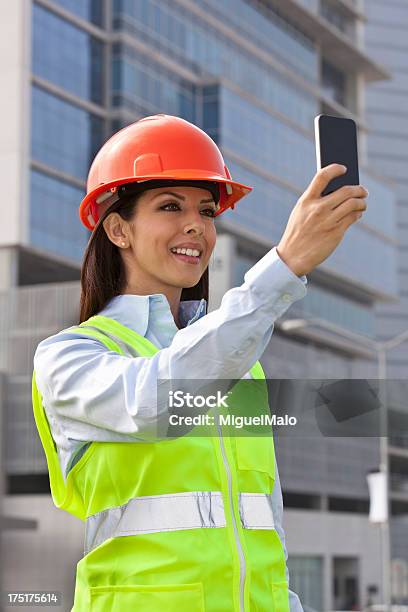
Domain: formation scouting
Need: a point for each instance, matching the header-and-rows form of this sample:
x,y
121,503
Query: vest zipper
x,y
242,565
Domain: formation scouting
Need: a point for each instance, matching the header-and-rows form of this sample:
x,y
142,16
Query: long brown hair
x,y
103,272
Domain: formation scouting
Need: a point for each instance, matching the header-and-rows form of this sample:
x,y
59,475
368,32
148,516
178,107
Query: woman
x,y
189,522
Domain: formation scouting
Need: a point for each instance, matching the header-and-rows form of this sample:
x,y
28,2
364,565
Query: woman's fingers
x,y
348,220
321,179
344,193
352,205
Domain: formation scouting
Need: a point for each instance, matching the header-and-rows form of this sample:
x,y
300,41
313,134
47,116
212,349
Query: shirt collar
x,y
138,311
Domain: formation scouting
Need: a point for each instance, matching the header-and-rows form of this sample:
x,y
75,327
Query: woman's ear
x,y
116,229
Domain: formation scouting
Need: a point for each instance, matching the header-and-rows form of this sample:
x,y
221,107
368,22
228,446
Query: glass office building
x,y
253,74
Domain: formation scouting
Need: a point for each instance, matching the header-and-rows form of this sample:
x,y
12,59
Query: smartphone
x,y
336,143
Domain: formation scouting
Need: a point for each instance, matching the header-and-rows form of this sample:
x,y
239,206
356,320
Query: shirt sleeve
x,y
91,393
277,510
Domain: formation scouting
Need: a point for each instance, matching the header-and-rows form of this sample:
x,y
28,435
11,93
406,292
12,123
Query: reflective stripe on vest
x,y
154,513
172,512
255,510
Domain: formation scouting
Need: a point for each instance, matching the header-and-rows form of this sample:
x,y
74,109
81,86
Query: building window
x,y
67,56
334,16
54,221
64,136
333,83
210,111
306,579
141,84
199,47
90,10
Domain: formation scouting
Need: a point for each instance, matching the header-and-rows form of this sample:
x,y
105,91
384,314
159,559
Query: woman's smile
x,y
188,252
191,259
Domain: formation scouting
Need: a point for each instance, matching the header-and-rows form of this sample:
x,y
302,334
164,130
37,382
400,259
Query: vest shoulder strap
x,y
127,335
137,341
94,333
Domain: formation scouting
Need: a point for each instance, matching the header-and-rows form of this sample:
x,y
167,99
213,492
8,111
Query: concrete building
x,y
253,74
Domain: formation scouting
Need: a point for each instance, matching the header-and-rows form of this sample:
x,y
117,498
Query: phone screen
x,y
336,143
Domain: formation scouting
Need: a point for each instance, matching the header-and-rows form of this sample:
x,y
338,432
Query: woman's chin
x,y
184,281
188,281
184,275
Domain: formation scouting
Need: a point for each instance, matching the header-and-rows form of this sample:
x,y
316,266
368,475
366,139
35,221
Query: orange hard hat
x,y
156,147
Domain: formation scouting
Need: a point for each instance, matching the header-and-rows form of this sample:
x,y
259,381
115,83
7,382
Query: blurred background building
x,y
387,117
253,74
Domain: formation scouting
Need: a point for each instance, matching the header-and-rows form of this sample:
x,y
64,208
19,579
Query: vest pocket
x,y
280,596
255,454
152,597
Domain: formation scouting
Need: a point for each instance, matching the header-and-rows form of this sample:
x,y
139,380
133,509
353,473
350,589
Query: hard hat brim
x,y
227,200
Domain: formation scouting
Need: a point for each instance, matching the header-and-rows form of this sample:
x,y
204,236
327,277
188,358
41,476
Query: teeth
x,y
191,252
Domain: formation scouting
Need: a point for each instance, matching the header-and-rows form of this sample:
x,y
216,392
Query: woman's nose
x,y
196,223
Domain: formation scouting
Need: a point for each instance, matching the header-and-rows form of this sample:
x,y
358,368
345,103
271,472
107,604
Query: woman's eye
x,y
212,210
170,204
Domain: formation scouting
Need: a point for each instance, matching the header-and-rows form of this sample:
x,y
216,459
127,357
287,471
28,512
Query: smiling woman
x,y
131,184
184,522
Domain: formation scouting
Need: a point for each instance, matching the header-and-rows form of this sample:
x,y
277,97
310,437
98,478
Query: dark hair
x,y
103,274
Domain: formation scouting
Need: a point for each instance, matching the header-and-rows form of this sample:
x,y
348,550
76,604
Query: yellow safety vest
x,y
180,525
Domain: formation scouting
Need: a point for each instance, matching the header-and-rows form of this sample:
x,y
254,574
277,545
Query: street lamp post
x,y
384,469
380,350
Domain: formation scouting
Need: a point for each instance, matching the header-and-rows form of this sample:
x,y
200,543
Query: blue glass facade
x,y
321,303
184,37
64,136
337,309
261,138
89,10
67,56
145,87
188,32
54,220
262,25
360,255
